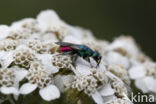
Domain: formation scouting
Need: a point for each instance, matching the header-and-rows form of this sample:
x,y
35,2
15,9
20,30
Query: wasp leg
x,y
75,58
88,60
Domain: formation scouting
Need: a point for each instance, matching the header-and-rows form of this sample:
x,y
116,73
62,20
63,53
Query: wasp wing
x,y
71,45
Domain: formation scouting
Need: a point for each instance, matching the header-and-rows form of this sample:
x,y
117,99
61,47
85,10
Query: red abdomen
x,y
65,49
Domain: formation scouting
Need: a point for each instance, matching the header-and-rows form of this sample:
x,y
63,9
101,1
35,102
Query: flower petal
x,y
107,90
137,72
114,57
9,90
48,20
63,81
72,39
20,73
7,59
4,31
47,62
27,88
97,98
49,93
59,82
83,70
140,83
150,83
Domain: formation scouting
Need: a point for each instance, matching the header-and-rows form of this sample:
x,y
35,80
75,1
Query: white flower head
x,y
8,44
114,57
38,46
126,46
39,77
63,82
50,22
86,83
144,76
18,34
8,81
62,61
7,77
150,68
120,72
29,24
119,87
23,57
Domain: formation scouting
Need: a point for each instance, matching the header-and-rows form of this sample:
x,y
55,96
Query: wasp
x,y
79,50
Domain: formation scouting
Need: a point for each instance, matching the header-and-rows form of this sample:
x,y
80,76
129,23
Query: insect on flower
x,y
79,50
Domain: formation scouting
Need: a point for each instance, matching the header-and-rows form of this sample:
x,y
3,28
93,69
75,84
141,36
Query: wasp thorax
x,y
62,61
23,57
93,45
38,75
7,77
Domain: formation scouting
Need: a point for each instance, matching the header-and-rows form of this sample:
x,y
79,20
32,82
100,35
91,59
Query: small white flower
x,y
92,81
86,83
126,46
137,72
47,62
38,46
120,90
50,22
8,44
120,72
18,34
23,57
40,77
150,68
62,61
29,24
144,76
114,57
9,80
64,82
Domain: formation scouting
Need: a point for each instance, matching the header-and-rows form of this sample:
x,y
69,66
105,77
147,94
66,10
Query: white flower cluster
x,y
62,61
118,101
23,57
7,77
86,83
30,63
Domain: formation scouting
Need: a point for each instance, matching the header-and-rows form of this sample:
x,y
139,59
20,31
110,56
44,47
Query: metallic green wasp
x,y
80,50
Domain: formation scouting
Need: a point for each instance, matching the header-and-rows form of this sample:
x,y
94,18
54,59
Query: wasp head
x,y
97,57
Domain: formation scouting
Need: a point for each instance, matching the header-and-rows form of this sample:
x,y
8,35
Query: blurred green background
x,y
106,18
